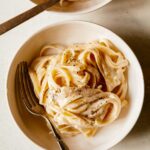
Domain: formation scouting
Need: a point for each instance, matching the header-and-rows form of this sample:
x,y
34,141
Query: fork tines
x,y
26,88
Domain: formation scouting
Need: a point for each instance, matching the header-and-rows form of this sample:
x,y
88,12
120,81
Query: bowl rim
x,y
128,130
78,12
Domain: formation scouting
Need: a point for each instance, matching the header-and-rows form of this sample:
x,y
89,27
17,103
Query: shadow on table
x,y
125,4
139,40
141,47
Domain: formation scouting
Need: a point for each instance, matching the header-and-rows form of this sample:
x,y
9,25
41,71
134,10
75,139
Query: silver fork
x,y
24,91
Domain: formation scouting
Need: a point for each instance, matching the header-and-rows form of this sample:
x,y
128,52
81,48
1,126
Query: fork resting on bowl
x,y
24,91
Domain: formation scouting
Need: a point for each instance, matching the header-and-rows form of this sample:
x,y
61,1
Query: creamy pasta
x,y
61,2
83,86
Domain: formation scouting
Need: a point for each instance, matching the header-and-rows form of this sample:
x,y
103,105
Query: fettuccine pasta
x,y
83,87
61,2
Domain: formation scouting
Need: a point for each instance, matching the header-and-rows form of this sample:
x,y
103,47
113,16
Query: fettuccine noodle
x,y
83,87
61,2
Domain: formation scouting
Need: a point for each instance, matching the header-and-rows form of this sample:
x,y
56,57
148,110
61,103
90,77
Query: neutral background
x,y
130,19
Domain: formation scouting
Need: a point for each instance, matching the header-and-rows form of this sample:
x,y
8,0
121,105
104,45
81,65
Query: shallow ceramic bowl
x,y
77,7
67,33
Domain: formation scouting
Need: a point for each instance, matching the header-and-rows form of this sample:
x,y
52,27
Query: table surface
x,y
130,19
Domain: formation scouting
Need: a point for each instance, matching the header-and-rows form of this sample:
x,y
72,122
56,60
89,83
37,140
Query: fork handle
x,y
6,26
60,142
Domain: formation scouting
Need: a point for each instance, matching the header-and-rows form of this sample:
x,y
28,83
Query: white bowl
x,y
67,33
77,7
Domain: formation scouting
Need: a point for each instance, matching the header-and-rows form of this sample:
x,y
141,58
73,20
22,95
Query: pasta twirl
x,y
82,87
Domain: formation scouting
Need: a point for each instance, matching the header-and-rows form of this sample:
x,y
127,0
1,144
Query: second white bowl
x,y
77,7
